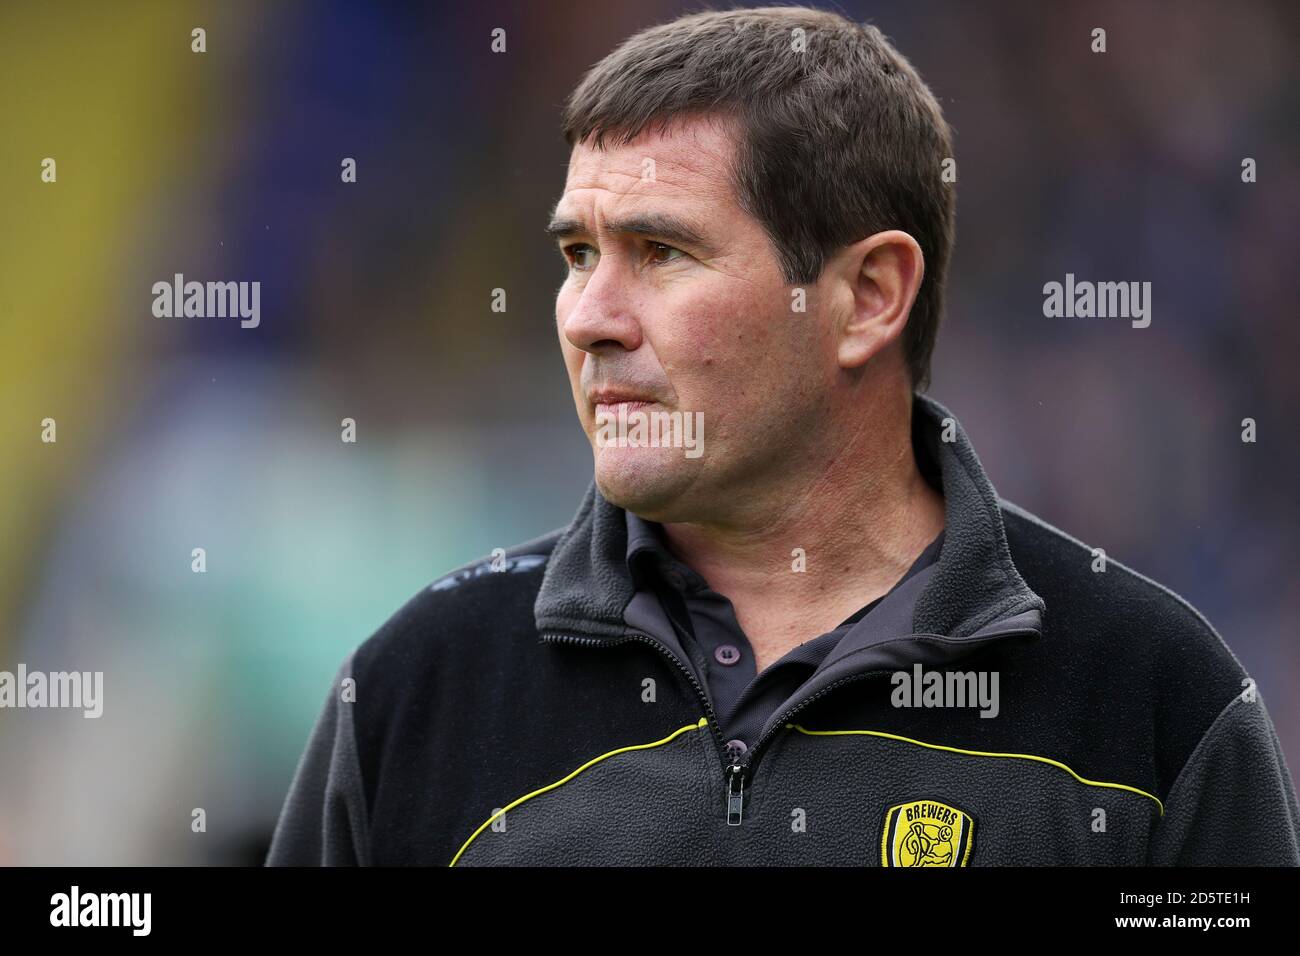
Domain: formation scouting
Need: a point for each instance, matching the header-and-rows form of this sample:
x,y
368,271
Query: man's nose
x,y
604,316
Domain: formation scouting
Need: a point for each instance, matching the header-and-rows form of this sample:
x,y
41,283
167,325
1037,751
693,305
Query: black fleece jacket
x,y
521,712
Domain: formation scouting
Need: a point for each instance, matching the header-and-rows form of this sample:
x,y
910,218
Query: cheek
x,y
723,348
745,331
562,307
573,366
572,354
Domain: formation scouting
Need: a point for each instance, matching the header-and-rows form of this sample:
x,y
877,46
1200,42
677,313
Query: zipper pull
x,y
735,794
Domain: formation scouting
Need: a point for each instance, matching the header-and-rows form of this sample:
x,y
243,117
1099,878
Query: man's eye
x,y
659,248
574,252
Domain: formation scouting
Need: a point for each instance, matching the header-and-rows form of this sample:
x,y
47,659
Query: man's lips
x,y
609,401
613,408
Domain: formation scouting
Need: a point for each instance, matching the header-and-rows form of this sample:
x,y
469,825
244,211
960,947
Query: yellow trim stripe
x,y
983,753
702,722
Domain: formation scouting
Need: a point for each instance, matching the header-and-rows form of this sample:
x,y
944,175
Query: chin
x,y
645,481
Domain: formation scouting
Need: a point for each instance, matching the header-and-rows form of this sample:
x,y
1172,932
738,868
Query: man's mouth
x,y
620,407
613,401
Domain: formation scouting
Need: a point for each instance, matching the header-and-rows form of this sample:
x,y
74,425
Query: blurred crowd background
x,y
376,305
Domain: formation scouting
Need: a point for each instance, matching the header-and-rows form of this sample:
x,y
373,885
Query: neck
x,y
859,513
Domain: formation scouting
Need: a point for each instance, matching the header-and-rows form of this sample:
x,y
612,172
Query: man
x,y
820,638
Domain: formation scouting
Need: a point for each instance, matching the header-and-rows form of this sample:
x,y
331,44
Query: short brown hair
x,y
838,142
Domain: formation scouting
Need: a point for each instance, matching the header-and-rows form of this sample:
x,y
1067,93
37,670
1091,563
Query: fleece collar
x,y
973,585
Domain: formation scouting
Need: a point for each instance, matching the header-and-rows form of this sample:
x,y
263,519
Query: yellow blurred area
x,y
80,83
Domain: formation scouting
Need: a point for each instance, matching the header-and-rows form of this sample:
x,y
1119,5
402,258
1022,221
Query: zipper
x,y
735,793
714,724
741,770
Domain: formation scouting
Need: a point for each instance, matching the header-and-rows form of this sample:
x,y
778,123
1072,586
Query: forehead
x,y
687,164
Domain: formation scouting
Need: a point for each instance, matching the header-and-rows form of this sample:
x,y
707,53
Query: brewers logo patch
x,y
926,833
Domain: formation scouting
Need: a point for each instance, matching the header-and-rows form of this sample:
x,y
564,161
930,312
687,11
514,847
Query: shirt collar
x,y
923,560
648,553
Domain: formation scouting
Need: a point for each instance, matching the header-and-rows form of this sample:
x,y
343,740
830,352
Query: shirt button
x,y
736,747
727,654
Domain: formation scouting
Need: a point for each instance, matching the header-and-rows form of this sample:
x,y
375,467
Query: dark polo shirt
x,y
706,627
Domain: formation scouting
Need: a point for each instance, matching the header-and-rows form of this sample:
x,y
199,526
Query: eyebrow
x,y
668,228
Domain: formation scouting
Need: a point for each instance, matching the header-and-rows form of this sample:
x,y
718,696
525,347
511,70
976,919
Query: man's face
x,y
674,298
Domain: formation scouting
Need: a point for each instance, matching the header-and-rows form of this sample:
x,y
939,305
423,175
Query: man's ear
x,y
885,271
